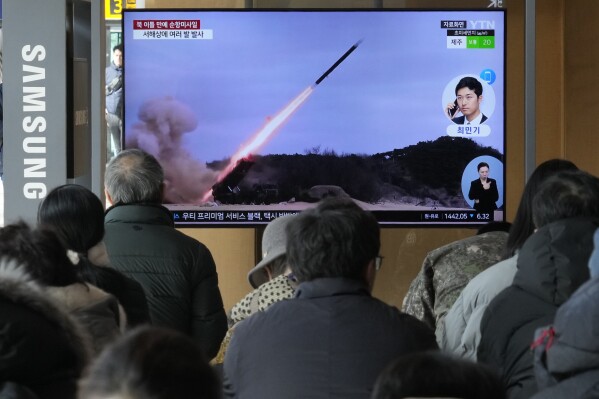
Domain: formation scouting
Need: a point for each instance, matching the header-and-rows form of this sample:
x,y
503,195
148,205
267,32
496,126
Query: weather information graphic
x,y
470,34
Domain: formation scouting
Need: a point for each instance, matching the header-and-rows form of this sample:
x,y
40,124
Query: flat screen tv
x,y
259,113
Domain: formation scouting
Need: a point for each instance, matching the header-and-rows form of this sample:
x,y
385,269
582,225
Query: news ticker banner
x,y
459,36
114,8
170,29
191,218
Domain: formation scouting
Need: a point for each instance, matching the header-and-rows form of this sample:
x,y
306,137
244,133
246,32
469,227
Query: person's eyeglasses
x,y
378,262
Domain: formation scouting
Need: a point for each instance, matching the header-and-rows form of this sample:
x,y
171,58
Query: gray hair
x,y
134,176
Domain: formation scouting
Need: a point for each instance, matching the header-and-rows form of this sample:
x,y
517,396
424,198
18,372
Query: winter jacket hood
x,y
41,346
549,263
570,347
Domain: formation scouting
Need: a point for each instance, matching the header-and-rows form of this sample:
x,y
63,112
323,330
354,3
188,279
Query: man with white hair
x,y
177,272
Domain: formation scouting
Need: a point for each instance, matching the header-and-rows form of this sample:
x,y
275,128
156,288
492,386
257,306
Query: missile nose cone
x,y
339,61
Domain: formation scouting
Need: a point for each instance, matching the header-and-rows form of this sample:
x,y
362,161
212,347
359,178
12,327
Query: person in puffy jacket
x,y
552,264
176,271
567,353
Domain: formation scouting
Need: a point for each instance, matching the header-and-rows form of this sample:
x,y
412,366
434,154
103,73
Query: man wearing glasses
x,y
333,338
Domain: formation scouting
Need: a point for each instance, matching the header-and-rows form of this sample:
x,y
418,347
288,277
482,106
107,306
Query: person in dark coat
x,y
177,272
567,353
552,264
77,216
43,350
333,338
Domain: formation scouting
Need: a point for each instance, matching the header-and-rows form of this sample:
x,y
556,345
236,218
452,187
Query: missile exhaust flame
x,y
272,126
263,135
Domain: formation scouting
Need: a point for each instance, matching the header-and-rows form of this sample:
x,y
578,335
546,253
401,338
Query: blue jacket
x,y
330,341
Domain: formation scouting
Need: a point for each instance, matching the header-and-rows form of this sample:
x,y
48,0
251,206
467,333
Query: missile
x,y
339,61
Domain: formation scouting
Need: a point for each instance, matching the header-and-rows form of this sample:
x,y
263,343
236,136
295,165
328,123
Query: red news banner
x,y
170,29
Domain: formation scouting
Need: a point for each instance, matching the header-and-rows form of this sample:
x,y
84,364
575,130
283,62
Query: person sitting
x,y
446,271
270,278
566,354
459,331
435,374
552,264
44,350
77,216
333,338
151,362
45,258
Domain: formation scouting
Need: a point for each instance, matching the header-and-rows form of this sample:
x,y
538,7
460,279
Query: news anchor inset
x,y
484,190
469,95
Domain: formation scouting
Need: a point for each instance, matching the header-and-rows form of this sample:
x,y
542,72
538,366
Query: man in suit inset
x,y
469,95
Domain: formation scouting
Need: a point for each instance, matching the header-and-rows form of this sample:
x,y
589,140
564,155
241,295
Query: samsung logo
x,y
34,121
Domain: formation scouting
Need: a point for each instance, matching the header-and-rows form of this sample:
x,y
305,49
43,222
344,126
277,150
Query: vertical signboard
x,y
35,111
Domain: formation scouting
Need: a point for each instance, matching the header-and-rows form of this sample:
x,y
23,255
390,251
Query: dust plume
x,y
162,124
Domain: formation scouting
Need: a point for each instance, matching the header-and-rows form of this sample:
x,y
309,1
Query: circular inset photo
x,y
482,183
468,100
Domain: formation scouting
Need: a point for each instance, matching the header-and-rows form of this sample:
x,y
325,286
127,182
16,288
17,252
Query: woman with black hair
x,y
77,216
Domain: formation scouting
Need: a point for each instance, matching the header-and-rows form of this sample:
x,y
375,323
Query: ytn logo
x,y
482,24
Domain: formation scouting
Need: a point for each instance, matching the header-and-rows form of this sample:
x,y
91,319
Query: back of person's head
x,y
134,176
274,249
337,238
567,194
75,214
523,225
438,375
40,251
150,362
494,226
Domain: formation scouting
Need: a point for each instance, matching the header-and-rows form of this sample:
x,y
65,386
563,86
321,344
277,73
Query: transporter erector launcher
x,y
339,61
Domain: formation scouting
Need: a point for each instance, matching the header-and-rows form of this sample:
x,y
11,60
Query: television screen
x,y
259,113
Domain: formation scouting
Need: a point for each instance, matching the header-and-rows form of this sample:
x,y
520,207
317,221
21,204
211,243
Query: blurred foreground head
x,y
150,363
437,375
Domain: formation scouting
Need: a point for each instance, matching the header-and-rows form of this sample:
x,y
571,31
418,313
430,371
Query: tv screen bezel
x,y
209,220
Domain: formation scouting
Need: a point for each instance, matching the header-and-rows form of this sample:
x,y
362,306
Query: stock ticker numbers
x,y
449,216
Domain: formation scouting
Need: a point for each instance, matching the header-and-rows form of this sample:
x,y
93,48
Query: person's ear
x,y
109,202
370,274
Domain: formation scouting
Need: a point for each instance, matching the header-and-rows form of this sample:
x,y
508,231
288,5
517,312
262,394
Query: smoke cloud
x,y
163,122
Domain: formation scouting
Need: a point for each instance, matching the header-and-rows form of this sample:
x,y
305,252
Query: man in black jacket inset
x,y
469,95
483,191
